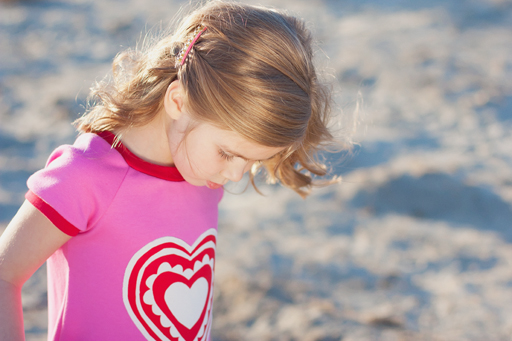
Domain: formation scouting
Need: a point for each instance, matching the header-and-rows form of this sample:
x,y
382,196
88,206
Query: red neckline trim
x,y
135,162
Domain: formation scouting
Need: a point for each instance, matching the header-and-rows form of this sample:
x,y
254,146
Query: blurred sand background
x,y
415,244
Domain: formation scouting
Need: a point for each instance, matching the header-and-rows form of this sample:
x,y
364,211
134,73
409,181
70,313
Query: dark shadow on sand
x,y
440,196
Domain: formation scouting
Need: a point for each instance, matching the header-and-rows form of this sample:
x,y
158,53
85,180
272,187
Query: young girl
x,y
127,216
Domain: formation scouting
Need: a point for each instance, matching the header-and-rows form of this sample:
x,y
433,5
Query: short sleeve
x,y
78,184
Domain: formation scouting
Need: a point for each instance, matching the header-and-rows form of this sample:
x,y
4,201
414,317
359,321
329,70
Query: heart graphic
x,y
168,287
185,303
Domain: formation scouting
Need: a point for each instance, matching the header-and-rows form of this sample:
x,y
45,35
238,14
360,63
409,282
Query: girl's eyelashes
x,y
226,156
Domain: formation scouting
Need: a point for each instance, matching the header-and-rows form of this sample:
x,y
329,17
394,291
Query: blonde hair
x,y
251,72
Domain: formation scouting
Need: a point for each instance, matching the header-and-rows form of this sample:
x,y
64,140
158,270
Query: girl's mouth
x,y
213,185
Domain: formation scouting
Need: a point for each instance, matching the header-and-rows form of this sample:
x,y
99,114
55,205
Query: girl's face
x,y
210,156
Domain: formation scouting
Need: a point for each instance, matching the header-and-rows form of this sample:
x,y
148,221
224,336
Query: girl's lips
x,y
213,185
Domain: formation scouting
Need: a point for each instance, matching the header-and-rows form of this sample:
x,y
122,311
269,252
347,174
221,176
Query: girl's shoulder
x,y
90,164
89,160
88,150
78,182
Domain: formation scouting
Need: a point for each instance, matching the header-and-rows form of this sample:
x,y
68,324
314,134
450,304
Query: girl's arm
x,y
26,243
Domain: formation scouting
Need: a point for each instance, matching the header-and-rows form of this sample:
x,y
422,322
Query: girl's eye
x,y
225,156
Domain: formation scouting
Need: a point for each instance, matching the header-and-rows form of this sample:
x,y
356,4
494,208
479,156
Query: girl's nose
x,y
237,170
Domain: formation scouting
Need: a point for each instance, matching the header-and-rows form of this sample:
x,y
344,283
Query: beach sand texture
x,y
415,244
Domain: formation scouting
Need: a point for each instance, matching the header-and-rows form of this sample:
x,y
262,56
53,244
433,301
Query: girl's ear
x,y
173,100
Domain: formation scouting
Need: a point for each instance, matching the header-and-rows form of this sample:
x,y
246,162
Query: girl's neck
x,y
149,142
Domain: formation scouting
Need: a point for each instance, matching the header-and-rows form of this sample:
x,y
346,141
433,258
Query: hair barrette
x,y
182,57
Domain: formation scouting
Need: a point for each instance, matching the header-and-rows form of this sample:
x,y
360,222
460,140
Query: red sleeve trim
x,y
60,222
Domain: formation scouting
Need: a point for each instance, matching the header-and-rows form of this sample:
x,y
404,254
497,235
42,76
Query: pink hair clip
x,y
190,43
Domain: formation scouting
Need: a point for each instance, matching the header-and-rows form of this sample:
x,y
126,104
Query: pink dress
x,y
141,262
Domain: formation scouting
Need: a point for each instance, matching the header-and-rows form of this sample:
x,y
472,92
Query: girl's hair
x,y
251,72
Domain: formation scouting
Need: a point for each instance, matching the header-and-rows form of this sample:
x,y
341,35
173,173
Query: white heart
x,y
186,304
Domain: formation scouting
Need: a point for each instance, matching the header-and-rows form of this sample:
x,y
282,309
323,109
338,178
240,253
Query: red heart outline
x,y
146,262
163,282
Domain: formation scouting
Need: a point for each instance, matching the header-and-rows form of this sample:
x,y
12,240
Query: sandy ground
x,y
415,244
